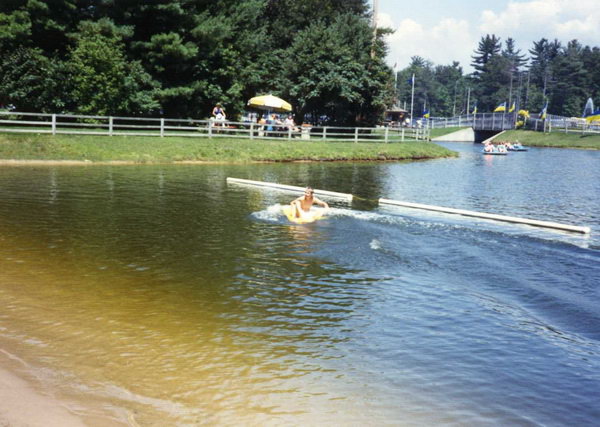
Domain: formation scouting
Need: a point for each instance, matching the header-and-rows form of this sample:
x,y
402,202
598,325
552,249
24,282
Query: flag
x,y
411,81
512,107
589,114
500,108
594,117
426,114
544,111
474,109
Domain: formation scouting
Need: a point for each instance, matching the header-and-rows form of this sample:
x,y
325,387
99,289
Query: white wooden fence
x,y
71,124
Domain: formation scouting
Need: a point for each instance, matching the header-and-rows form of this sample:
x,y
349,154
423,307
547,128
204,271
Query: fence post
x,y
53,124
210,124
566,130
402,137
549,126
289,133
355,135
162,127
493,121
459,121
110,126
324,132
252,130
386,134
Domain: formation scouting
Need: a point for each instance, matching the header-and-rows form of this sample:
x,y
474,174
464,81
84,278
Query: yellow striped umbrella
x,y
270,103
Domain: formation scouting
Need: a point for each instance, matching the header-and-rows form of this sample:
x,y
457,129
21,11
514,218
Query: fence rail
x,y
71,124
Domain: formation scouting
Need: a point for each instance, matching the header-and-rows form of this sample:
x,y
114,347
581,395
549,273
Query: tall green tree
x,y
284,18
31,81
516,60
329,72
488,47
569,91
102,81
591,63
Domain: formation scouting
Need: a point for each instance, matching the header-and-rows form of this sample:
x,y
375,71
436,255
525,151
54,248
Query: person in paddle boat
x,y
301,206
488,148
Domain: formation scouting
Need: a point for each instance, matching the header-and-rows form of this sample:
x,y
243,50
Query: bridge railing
x,y
479,121
450,122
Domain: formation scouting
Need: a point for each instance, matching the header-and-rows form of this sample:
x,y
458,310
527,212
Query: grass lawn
x,y
173,149
554,139
434,133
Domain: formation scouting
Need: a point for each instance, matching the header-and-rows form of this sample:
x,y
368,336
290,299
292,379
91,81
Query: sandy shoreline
x,y
22,405
24,402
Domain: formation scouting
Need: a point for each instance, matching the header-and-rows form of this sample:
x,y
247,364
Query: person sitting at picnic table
x,y
289,123
278,124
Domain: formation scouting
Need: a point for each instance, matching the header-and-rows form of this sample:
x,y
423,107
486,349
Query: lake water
x,y
162,295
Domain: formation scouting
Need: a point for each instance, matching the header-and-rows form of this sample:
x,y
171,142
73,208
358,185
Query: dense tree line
x,y
564,75
177,58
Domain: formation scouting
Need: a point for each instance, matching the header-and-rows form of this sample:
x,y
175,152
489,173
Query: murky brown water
x,y
158,295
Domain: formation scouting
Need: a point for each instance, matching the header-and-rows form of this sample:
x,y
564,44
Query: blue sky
x,y
443,31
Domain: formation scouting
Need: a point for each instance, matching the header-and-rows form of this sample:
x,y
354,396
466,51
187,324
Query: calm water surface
x,y
170,298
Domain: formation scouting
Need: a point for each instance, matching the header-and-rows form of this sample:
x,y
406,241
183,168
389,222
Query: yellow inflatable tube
x,y
308,217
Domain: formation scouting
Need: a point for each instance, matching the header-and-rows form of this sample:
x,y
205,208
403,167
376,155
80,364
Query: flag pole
x,y
412,99
375,11
468,100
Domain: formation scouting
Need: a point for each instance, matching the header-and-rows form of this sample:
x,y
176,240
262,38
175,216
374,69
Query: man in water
x,y
301,206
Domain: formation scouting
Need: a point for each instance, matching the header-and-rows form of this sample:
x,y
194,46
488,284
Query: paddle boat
x,y
517,147
490,149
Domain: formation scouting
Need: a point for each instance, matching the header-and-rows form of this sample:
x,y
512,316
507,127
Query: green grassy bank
x,y
437,132
554,139
177,149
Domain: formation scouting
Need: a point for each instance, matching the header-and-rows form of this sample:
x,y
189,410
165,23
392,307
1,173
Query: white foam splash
x,y
375,244
274,213
271,214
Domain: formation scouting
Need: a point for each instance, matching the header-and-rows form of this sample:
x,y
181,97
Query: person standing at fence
x,y
219,114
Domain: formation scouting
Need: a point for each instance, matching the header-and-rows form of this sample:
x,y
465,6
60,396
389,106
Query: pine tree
x,y
568,94
514,55
489,46
515,62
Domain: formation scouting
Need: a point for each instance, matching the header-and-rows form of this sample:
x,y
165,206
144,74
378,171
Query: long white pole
x,y
282,187
412,98
516,220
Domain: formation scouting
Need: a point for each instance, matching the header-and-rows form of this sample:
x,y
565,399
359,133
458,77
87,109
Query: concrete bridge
x,y
484,125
